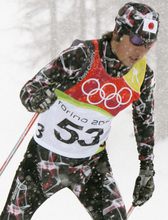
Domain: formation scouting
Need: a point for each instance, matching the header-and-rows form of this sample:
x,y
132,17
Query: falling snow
x,y
25,49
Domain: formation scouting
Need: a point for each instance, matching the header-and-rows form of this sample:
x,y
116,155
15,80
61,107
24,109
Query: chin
x,y
128,64
131,63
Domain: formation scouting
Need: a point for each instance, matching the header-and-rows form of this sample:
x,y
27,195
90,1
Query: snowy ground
x,y
121,147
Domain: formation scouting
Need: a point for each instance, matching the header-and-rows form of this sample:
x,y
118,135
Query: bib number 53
x,y
70,126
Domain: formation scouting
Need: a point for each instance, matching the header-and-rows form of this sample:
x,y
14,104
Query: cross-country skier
x,y
77,95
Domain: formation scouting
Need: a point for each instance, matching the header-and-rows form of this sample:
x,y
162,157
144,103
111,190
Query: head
x,y
135,32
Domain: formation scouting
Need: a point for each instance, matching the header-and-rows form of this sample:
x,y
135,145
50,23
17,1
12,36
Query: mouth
x,y
133,59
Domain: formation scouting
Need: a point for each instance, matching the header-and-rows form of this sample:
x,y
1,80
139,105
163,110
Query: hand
x,y
42,100
144,185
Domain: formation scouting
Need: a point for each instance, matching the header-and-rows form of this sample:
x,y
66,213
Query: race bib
x,y
71,129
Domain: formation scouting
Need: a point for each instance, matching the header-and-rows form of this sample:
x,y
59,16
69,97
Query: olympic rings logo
x,y
99,92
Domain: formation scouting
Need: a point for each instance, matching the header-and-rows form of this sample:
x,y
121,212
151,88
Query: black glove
x,y
144,185
42,99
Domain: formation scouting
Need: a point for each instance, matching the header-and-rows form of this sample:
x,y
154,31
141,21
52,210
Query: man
x,y
77,95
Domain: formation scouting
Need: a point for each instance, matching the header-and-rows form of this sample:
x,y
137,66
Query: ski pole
x,y
18,143
130,211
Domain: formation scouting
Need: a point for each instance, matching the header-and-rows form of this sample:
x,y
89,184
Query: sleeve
x,y
59,73
143,118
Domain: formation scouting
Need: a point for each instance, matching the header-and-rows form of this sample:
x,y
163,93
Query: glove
x,y
42,99
144,185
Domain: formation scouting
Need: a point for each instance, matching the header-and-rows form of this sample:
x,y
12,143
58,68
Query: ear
x,y
115,35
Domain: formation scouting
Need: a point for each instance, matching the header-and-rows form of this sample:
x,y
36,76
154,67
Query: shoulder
x,y
150,76
77,54
85,49
149,71
86,46
89,46
81,43
149,80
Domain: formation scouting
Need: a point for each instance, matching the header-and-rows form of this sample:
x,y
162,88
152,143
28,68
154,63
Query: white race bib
x,y
72,131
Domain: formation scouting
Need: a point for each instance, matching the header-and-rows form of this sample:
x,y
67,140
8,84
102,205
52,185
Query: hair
x,y
109,35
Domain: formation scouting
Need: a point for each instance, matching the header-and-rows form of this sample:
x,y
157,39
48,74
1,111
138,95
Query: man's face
x,y
128,53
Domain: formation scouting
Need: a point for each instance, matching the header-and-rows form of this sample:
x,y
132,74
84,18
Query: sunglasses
x,y
137,41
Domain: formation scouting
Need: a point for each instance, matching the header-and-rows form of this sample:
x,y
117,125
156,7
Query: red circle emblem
x,y
151,25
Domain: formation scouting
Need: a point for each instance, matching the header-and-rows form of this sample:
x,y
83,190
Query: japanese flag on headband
x,y
150,26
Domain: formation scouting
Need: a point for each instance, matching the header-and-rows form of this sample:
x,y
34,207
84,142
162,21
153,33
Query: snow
x,y
121,144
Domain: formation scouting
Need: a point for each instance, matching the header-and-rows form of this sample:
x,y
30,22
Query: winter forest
x,y
32,33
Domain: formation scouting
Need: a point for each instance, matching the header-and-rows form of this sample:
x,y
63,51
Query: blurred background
x,y
32,33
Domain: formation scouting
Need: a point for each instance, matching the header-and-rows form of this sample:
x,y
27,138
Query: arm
x,y
38,93
143,118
